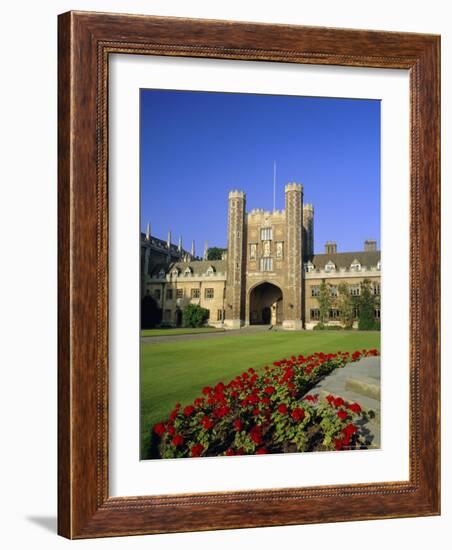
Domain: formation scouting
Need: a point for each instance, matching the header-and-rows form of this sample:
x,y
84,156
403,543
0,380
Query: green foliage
x,y
321,326
325,301
366,307
194,316
164,325
215,253
345,305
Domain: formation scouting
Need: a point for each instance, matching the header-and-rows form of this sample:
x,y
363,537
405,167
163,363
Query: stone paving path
x,y
357,382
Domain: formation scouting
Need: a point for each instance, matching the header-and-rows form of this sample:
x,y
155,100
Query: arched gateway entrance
x,y
266,305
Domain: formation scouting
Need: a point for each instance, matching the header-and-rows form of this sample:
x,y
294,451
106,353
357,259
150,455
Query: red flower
x,y
206,390
312,398
206,422
238,424
199,401
354,407
219,412
330,398
265,401
342,415
262,451
178,440
338,444
256,435
197,449
253,399
256,411
282,408
269,390
339,402
298,414
160,429
349,430
189,409
229,452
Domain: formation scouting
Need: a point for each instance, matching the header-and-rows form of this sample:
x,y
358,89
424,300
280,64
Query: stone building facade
x,y
269,274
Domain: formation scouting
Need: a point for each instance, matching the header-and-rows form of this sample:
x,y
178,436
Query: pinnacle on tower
x,y
148,231
206,251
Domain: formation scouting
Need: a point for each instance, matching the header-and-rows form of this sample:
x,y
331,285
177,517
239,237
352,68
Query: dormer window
x,y
309,267
210,270
356,266
330,267
379,265
175,273
188,272
162,274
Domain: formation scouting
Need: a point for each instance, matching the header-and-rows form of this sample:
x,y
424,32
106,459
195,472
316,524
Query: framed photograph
x,y
248,283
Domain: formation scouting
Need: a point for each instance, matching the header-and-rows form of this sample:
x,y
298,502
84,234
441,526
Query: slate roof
x,y
345,259
199,267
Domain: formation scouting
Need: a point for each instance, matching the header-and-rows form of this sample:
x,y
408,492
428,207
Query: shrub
x,y
269,412
321,326
164,324
194,316
366,307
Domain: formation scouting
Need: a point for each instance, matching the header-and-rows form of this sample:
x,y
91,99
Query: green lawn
x,y
177,371
177,331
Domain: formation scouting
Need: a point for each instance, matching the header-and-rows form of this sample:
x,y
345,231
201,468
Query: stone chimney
x,y
330,247
370,245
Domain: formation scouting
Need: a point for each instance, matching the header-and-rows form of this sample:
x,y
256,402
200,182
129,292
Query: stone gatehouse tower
x,y
265,261
269,275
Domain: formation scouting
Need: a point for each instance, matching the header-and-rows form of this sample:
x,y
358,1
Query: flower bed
x,y
265,412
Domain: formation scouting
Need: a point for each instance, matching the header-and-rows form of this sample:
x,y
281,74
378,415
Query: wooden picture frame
x,y
86,40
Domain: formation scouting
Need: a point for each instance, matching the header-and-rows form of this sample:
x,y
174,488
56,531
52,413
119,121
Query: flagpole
x,y
274,185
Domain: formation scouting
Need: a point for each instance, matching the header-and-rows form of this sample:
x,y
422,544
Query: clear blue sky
x,y
196,146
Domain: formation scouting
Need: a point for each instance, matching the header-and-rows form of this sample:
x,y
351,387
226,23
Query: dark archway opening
x,y
266,305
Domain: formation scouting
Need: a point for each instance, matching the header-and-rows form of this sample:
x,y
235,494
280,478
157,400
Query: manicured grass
x,y
177,371
176,331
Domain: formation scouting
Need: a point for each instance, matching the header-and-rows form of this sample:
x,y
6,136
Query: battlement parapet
x,y
293,187
236,194
259,214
